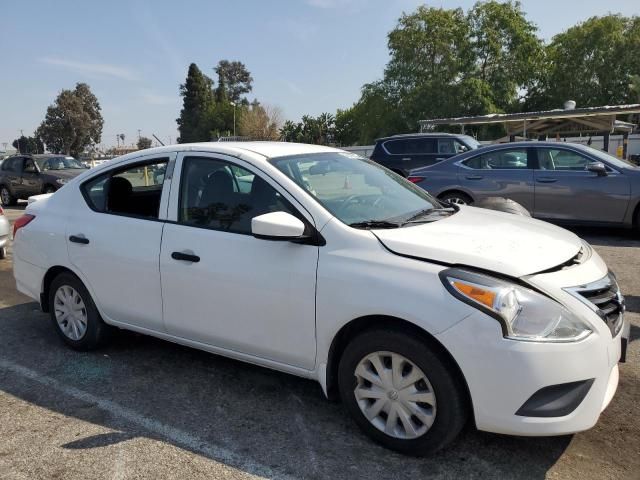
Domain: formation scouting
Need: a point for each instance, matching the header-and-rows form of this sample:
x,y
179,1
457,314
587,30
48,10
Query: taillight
x,y
21,222
415,179
1,211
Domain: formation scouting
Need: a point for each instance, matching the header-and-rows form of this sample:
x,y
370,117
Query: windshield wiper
x,y
429,211
375,224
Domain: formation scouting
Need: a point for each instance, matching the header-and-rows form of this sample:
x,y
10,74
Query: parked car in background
x,y
559,182
5,230
403,153
24,175
316,262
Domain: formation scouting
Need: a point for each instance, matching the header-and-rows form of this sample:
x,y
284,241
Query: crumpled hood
x,y
500,242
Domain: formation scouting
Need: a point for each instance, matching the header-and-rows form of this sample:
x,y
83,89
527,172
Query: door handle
x,y
546,180
79,239
406,159
474,177
185,257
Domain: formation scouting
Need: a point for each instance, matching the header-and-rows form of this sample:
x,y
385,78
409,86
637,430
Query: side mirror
x,y
597,167
277,226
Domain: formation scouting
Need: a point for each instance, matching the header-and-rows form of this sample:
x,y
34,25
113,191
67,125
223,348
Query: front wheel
x,y
3,253
74,315
49,189
401,393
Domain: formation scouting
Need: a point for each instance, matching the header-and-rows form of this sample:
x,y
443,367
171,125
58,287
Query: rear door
x,y
565,190
408,153
504,173
12,174
113,238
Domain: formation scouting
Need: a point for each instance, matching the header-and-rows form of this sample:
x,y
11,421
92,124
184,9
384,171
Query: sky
x,y
305,56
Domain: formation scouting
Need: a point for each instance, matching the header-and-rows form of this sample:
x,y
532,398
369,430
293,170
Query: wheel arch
x,y
52,273
359,325
457,190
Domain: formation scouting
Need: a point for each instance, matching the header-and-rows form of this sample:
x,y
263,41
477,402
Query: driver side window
x,y
30,166
218,195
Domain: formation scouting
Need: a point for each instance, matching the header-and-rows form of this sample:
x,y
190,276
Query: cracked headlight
x,y
523,313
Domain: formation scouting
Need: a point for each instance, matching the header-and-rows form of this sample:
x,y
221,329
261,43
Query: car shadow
x,y
251,418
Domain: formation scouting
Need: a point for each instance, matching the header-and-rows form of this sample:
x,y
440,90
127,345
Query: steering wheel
x,y
347,203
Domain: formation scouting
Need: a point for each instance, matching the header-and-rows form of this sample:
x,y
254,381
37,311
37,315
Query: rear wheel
x,y
6,198
401,393
459,198
74,315
3,253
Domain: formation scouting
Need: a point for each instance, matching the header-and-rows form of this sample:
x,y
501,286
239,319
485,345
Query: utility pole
x,y
139,134
234,118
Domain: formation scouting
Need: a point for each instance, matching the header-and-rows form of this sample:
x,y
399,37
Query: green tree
x,y
234,78
591,63
291,132
28,145
506,50
73,122
195,123
144,143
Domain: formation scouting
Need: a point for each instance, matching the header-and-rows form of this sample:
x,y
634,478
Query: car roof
x,y
421,135
265,149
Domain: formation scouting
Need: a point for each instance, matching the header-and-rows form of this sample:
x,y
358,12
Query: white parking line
x,y
174,435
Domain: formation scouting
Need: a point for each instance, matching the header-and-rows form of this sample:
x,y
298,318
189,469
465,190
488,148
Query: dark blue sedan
x,y
556,181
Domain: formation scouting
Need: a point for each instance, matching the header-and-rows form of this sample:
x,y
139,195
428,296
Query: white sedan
x,y
420,316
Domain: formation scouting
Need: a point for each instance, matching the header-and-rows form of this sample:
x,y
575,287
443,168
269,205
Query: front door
x,y
500,173
31,180
220,285
113,239
565,190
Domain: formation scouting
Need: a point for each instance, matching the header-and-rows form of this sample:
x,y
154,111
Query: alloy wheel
x,y
395,395
457,200
70,312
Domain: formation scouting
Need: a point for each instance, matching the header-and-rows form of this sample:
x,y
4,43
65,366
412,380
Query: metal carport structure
x,y
552,123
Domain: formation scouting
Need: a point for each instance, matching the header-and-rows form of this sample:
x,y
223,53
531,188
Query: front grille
x,y
604,297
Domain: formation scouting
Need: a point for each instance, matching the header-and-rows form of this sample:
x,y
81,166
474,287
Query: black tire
x,y
3,253
97,332
452,408
6,197
48,189
501,204
456,197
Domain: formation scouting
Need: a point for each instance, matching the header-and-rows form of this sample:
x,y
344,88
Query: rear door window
x,y
500,160
132,191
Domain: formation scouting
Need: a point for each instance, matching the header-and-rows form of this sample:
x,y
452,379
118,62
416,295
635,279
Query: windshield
x,y
356,190
58,163
615,161
472,142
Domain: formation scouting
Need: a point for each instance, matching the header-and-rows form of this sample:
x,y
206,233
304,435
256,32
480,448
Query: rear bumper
x,y
503,375
28,277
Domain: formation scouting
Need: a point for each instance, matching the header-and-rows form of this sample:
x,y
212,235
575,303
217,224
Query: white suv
x,y
419,315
